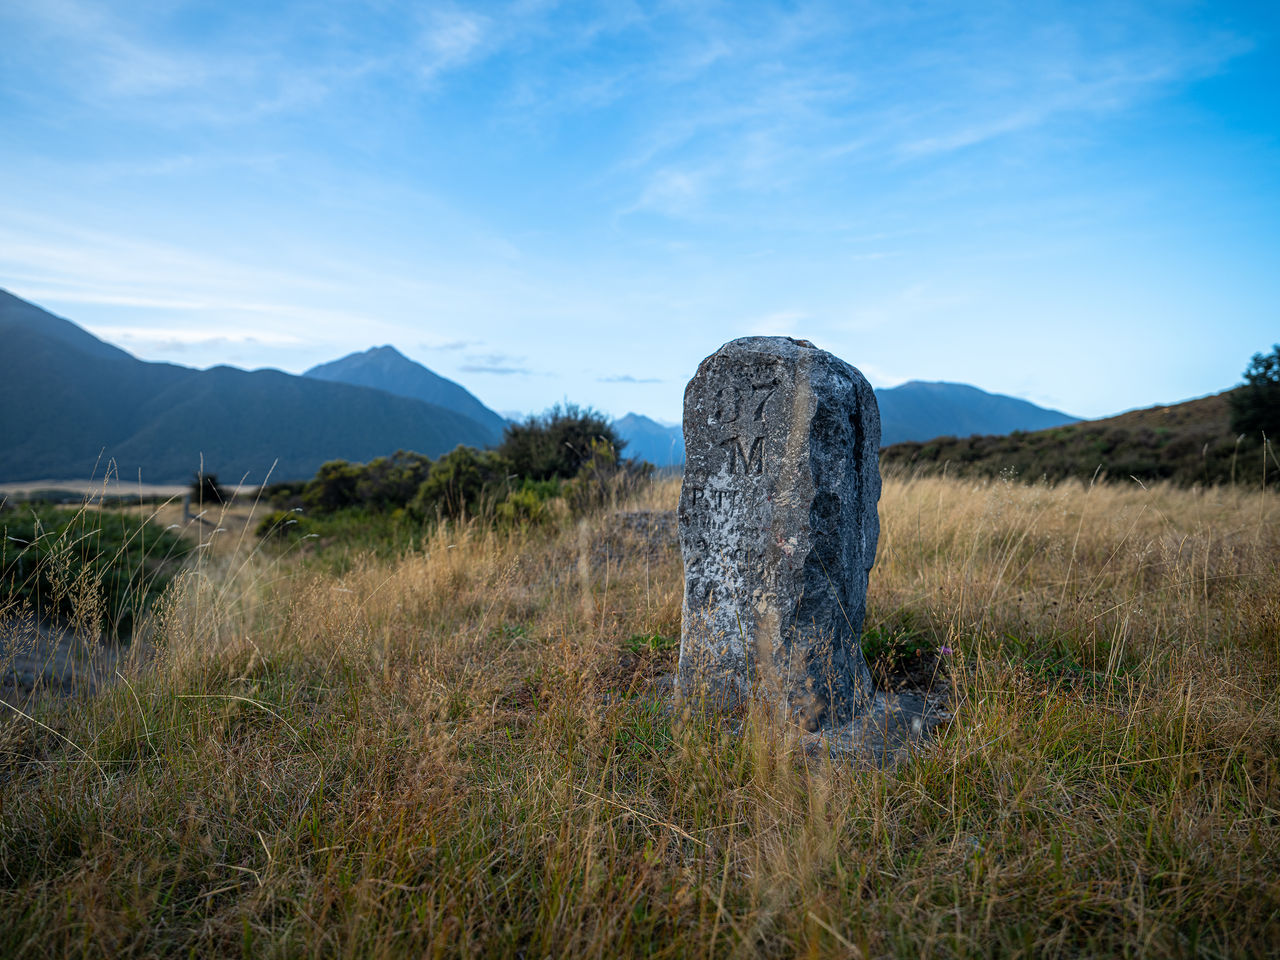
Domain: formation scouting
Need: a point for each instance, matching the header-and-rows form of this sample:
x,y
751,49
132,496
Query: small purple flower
x,y
945,651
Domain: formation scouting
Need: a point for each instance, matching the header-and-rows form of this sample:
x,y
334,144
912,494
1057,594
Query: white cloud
x,y
671,192
187,336
451,39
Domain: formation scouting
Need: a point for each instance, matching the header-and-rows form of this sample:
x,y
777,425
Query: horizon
x,y
518,415
544,202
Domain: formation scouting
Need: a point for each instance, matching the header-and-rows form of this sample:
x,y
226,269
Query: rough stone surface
x,y
778,529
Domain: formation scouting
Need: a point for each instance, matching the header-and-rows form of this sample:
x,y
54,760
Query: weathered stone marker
x,y
778,529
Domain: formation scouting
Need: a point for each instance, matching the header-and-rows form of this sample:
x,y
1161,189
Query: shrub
x,y
387,483
522,508
284,496
461,482
333,488
603,479
557,443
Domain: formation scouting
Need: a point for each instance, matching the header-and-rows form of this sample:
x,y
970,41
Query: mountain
x,y
18,314
1186,443
921,411
386,368
649,440
70,403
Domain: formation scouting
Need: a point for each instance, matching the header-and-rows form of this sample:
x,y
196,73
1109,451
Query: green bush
x,y
333,488
566,450
463,481
604,479
522,508
388,483
557,443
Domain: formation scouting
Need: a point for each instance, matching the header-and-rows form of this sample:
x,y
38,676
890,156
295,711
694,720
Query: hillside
x,y
386,368
1187,443
69,403
919,411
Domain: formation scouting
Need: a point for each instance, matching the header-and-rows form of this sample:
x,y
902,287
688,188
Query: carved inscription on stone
x,y
781,442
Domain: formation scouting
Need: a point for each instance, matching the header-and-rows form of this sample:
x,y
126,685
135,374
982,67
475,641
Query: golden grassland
x,y
465,749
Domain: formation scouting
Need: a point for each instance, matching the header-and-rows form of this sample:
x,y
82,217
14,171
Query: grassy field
x,y
461,749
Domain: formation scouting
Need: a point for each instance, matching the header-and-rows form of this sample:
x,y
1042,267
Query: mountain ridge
x,y
162,416
70,403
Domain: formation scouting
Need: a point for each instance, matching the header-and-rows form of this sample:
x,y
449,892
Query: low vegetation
x,y
464,747
98,569
567,458
1187,444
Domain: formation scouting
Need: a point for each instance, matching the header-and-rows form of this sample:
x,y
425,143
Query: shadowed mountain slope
x,y
70,403
386,368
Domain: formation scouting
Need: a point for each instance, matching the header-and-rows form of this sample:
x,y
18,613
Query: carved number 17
x,y
768,389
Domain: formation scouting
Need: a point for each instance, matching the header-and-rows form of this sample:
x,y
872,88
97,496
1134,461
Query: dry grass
x,y
457,752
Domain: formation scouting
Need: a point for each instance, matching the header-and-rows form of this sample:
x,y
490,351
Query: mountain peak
x,y
386,368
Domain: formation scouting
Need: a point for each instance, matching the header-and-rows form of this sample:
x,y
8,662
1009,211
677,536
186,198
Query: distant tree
x,y
1255,407
206,491
558,442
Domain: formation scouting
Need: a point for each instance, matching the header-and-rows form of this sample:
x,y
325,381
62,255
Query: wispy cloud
x,y
672,192
455,174
628,378
185,340
450,39
809,92
489,368
496,363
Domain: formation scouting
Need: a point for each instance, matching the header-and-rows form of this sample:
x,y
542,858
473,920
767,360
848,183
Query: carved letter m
x,y
753,458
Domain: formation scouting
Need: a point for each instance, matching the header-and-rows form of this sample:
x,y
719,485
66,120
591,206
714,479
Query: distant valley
x,y
69,403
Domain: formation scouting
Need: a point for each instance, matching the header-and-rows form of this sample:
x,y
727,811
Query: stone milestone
x,y
778,529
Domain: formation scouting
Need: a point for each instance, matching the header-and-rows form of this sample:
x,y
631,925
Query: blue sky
x,y
1074,203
